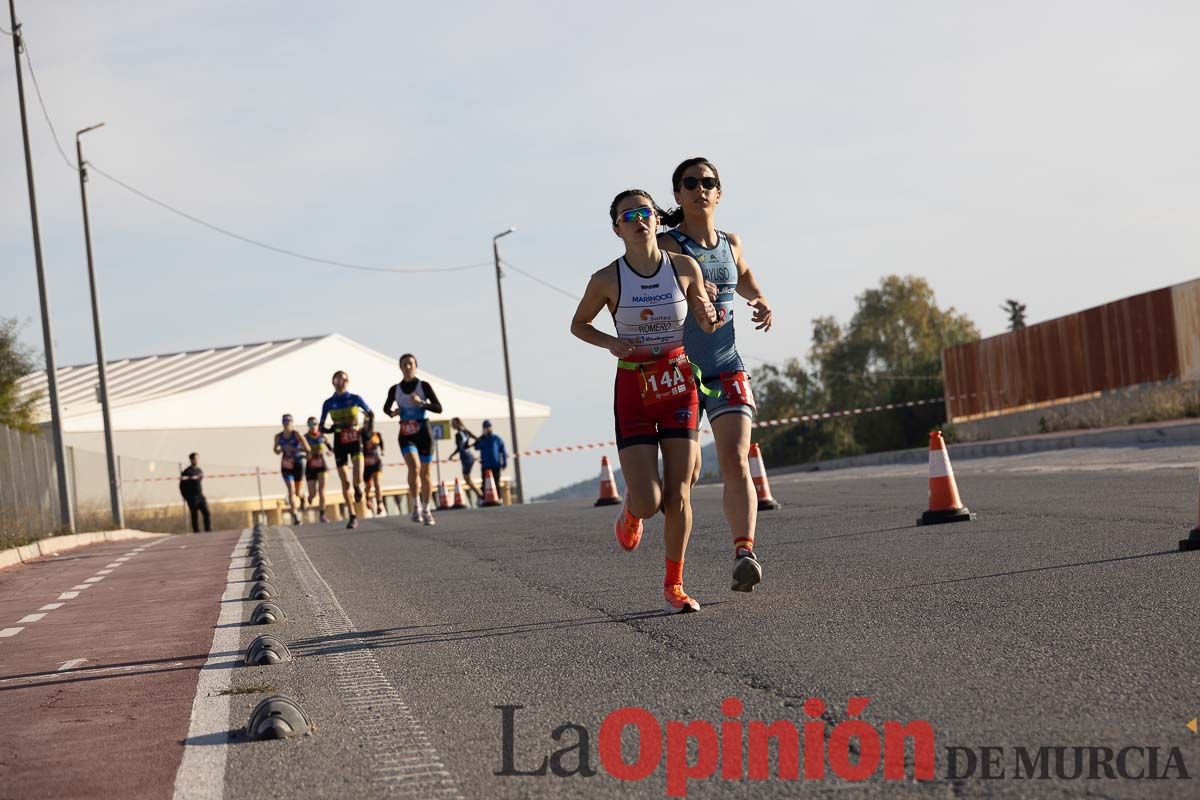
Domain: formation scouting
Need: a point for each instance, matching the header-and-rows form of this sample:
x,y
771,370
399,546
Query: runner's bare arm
x,y
747,287
278,448
601,293
669,244
304,444
691,279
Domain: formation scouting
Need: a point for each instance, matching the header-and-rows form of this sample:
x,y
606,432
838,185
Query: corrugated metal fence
x,y
28,483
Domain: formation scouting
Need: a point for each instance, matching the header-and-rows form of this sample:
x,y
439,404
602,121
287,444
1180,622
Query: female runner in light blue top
x,y
725,386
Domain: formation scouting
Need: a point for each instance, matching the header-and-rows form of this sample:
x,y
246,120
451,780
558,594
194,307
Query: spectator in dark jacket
x,y
193,493
492,455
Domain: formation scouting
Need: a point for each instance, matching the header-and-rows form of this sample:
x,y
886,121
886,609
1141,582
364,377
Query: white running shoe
x,y
415,516
427,517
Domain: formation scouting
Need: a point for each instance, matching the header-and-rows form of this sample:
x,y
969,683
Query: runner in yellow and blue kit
x,y
724,385
343,409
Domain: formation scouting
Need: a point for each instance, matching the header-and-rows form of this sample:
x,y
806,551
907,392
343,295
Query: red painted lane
x,y
112,726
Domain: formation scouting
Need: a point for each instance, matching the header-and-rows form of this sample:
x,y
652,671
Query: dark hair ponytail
x,y
612,209
672,218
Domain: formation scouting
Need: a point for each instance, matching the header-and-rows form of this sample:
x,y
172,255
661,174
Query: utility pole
x,y
66,512
512,413
114,489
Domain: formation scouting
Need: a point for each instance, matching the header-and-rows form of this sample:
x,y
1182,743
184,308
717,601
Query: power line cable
x,y
536,279
41,102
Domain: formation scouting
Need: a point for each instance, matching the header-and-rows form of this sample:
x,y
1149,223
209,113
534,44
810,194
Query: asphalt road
x,y
1063,616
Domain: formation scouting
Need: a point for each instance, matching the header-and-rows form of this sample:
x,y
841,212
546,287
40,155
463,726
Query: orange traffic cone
x,y
944,503
458,496
608,485
1193,540
758,474
443,499
490,498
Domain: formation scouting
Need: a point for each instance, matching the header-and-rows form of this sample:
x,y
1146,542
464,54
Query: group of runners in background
x,y
358,448
672,297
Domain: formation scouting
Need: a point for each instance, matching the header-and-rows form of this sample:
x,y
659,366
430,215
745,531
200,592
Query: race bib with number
x,y
316,462
737,388
410,427
666,379
347,436
288,462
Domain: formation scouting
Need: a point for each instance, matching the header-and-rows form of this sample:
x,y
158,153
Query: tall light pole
x,y
66,513
114,490
512,412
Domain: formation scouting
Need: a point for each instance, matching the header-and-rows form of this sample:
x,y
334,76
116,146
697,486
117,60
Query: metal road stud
x,y
267,649
263,590
260,560
262,573
278,717
267,613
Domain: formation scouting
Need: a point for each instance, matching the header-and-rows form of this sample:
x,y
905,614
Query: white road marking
x,y
6,632
81,587
68,595
51,606
30,618
113,565
391,736
74,662
123,559
201,774
94,579
104,572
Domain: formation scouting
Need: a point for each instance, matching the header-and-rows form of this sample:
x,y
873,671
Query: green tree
x,y
1016,314
889,352
16,361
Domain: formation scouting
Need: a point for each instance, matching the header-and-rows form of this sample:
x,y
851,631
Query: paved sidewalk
x,y
100,649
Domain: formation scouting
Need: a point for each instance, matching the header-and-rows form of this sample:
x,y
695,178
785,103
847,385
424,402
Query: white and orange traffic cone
x,y
443,499
944,503
490,497
1193,540
758,474
608,486
458,496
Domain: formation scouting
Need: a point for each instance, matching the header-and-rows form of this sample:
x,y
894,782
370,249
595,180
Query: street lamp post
x,y
512,413
66,511
114,490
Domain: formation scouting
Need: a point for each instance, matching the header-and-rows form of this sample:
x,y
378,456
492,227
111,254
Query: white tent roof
x,y
247,385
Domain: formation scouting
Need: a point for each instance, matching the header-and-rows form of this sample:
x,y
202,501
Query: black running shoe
x,y
353,523
747,572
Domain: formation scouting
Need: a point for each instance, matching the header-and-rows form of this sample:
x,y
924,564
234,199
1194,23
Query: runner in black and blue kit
x,y
724,384
343,409
411,399
293,453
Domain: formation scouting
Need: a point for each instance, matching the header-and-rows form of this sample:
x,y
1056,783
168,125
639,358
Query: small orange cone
x,y
458,496
608,486
944,503
490,498
758,474
1193,540
443,498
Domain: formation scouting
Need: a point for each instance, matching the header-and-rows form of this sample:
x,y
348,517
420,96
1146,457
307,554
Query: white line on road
x,y
113,565
6,632
94,579
201,774
104,572
51,606
81,587
123,559
30,618
74,662
389,733
68,595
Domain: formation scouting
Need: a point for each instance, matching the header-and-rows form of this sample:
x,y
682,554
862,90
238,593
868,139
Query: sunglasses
x,y
691,183
634,214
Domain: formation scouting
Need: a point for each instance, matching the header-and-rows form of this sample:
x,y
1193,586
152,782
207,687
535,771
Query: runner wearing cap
x,y
411,399
293,453
649,293
724,384
314,472
348,424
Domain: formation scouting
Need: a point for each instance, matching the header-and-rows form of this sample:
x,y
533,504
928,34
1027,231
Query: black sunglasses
x,y
690,183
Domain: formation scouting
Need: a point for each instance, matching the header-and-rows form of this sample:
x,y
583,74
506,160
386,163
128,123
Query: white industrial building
x,y
225,403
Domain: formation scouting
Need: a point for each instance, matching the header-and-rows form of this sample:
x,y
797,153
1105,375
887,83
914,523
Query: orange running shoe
x,y
629,530
677,599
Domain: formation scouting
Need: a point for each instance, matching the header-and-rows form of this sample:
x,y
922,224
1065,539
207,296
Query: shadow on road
x,y
1031,569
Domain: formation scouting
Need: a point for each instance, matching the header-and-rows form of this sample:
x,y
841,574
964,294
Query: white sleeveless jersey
x,y
650,310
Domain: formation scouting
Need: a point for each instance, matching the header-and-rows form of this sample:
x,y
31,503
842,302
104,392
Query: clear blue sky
x,y
1042,151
